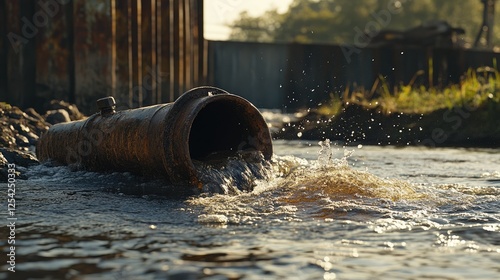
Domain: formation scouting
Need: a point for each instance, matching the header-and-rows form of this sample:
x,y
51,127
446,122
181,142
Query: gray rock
x,y
14,122
57,116
23,128
3,160
34,114
32,137
22,140
6,138
72,110
18,158
15,113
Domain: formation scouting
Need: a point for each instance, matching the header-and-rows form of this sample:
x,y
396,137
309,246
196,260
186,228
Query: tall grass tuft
x,y
477,87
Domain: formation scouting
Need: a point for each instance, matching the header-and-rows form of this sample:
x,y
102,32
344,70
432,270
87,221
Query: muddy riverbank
x,y
460,126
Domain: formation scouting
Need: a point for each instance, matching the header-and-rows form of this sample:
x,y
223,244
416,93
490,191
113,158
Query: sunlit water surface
x,y
324,213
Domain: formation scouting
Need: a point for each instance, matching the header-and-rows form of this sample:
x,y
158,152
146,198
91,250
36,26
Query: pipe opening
x,y
222,127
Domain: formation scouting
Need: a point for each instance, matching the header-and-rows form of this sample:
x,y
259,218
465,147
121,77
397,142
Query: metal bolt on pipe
x,y
160,140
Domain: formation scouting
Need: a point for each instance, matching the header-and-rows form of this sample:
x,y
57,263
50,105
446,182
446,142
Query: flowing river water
x,y
320,212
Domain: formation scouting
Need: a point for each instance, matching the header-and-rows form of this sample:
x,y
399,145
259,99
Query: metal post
x,y
487,25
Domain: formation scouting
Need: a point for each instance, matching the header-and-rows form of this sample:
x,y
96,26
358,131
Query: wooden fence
x,y
292,76
140,51
151,51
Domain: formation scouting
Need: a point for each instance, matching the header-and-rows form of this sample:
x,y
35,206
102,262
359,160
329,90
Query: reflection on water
x,y
356,213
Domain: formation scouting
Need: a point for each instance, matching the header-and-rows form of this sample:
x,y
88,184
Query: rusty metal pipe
x,y
161,140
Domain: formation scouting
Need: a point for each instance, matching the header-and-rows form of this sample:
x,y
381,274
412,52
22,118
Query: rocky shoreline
x,y
20,130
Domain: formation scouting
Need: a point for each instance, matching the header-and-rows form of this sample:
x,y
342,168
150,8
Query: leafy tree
x,y
335,21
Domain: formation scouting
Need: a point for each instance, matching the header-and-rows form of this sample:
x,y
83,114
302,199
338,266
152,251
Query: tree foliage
x,y
335,21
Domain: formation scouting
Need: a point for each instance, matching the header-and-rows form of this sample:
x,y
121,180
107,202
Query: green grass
x,y
4,105
477,88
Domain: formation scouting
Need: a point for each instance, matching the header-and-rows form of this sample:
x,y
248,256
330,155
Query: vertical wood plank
x,y
21,57
159,35
203,51
181,43
165,50
13,27
188,33
136,91
130,52
146,32
28,60
174,49
4,45
153,67
70,35
52,52
140,93
195,49
113,47
92,51
122,46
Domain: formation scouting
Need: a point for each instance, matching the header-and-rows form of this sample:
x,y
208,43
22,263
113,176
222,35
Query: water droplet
x,y
281,86
360,146
299,134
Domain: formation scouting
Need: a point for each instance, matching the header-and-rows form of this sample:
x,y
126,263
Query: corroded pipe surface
x,y
160,140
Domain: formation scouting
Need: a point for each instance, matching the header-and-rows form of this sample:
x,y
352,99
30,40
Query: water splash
x,y
234,174
326,155
319,186
333,179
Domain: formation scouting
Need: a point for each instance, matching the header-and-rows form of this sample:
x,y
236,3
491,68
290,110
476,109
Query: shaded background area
x,y
336,21
295,76
295,59
150,51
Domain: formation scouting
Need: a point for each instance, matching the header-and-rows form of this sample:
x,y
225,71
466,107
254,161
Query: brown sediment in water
x,y
343,182
299,184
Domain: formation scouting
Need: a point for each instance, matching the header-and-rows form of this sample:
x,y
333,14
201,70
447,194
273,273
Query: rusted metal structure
x,y
141,51
436,34
160,140
487,26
